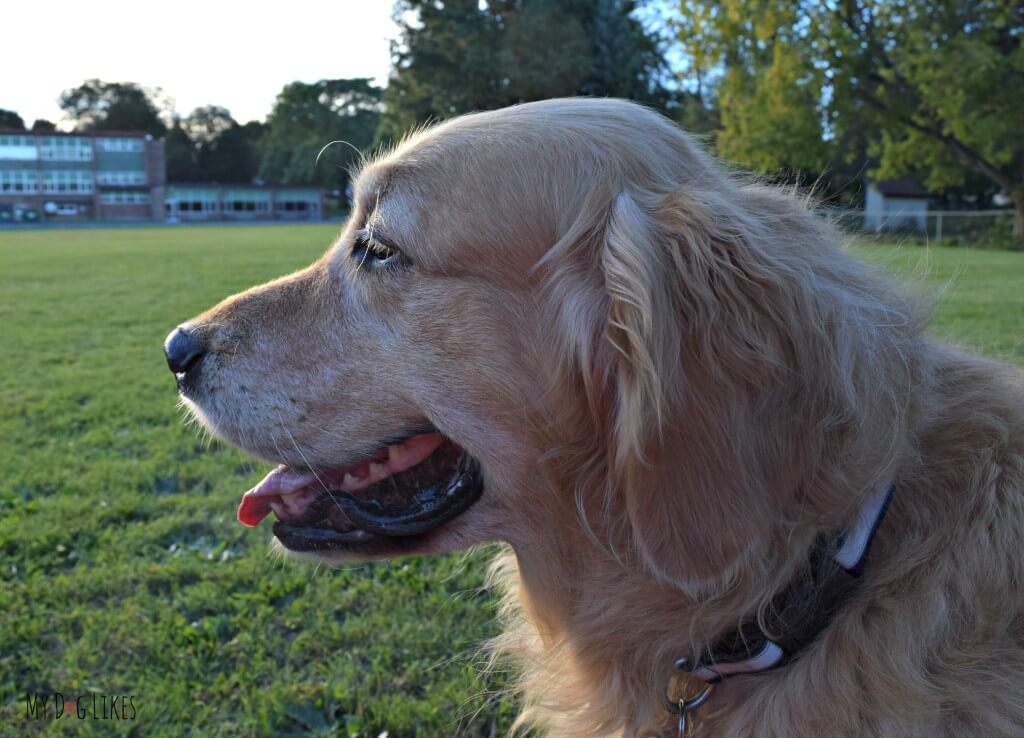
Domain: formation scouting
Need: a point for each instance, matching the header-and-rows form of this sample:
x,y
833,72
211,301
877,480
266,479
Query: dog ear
x,y
742,362
642,327
683,343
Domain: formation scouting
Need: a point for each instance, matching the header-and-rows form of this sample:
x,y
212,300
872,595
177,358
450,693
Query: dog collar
x,y
798,614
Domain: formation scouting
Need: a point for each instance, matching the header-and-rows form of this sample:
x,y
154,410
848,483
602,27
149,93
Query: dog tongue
x,y
281,481
253,510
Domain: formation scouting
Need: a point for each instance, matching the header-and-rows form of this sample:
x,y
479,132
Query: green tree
x,y
756,58
308,117
210,146
41,124
933,88
113,106
181,155
445,63
205,124
225,150
943,82
235,155
10,119
462,55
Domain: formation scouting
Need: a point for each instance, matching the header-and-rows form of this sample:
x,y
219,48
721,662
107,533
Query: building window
x,y
14,180
198,200
121,178
64,148
65,181
196,206
120,144
124,198
18,148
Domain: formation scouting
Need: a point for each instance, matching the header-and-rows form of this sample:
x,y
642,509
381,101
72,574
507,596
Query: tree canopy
x,y
931,88
305,118
211,146
112,106
10,119
462,55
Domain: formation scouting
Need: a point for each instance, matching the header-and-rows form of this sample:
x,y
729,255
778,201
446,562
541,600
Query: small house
x,y
896,205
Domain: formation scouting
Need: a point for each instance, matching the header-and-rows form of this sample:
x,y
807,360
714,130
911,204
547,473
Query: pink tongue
x,y
253,510
281,481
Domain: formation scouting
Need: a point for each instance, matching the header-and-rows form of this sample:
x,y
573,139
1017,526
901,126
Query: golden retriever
x,y
562,325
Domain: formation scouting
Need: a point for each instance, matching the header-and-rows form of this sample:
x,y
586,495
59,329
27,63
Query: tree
x,y
445,63
233,156
210,146
462,55
225,150
933,88
180,155
307,117
205,124
10,119
944,82
41,124
756,61
113,106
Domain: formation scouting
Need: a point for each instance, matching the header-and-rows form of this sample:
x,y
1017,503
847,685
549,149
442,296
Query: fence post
x,y
938,228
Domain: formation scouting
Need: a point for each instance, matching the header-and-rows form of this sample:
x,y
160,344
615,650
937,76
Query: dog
x,y
741,488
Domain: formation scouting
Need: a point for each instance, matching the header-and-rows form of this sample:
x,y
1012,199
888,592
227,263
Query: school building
x,y
58,177
74,176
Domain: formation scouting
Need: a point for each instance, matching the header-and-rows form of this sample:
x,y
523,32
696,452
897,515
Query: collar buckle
x,y
687,705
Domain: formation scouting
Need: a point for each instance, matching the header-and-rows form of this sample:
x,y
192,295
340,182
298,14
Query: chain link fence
x,y
982,228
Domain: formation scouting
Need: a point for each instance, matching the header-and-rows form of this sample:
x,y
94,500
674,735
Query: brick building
x,y
58,177
54,176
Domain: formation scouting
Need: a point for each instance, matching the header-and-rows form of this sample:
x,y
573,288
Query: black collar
x,y
798,614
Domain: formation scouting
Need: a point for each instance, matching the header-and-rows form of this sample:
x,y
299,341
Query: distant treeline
x,y
814,93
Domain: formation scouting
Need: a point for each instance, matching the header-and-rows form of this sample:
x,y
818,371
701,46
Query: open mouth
x,y
403,491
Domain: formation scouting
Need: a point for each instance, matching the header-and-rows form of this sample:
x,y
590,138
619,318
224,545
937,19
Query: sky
x,y
235,54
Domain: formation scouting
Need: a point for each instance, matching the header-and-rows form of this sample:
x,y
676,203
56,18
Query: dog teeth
x,y
279,510
395,452
378,471
349,480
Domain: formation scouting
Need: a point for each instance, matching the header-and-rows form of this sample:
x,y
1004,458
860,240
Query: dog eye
x,y
366,251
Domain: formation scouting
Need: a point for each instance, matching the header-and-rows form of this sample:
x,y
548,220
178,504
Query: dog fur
x,y
674,380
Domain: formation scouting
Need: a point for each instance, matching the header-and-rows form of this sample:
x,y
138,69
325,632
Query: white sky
x,y
236,54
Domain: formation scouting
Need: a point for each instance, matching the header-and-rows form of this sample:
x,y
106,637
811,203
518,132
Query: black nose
x,y
183,349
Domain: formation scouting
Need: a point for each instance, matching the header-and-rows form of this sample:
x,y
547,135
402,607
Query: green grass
x,y
978,294
122,569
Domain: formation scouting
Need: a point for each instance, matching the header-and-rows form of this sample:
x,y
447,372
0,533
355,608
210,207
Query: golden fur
x,y
674,380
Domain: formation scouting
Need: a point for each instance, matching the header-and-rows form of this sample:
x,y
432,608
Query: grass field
x,y
122,569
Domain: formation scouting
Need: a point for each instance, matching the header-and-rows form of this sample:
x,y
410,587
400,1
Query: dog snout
x,y
183,349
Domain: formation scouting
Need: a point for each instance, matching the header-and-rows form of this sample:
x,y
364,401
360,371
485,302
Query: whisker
x,y
305,460
327,491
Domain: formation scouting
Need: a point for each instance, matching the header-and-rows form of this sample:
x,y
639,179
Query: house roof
x,y
903,187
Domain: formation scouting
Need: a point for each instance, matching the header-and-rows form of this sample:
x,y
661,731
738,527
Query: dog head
x,y
547,324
